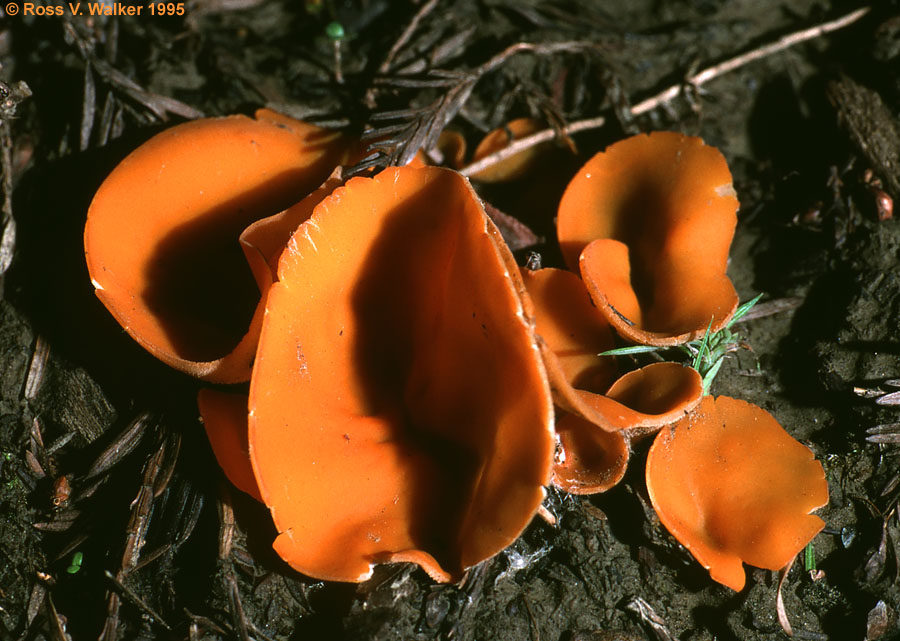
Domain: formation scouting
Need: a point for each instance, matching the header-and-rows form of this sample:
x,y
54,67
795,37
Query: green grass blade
x,y
743,309
634,349
698,359
809,557
711,375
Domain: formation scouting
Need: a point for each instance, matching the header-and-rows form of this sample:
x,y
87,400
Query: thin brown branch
x,y
132,596
651,103
727,66
423,11
780,610
530,141
541,49
771,307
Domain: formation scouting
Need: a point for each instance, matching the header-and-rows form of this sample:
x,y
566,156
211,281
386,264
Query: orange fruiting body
x,y
649,223
161,239
733,486
399,410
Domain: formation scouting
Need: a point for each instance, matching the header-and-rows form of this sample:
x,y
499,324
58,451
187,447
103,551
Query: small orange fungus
x,y
571,329
572,334
452,147
399,409
161,239
225,420
601,412
589,460
649,223
733,487
516,165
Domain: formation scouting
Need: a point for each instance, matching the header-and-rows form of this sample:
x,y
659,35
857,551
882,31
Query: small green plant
x,y
809,557
75,563
708,353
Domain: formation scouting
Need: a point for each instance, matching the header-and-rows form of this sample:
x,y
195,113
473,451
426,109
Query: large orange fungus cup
x,y
161,239
733,487
399,409
648,223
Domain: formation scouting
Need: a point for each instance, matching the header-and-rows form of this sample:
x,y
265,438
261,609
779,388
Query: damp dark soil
x,y
104,466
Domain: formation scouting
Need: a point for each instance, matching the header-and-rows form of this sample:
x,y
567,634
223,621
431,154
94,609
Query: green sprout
x,y
809,557
75,564
706,354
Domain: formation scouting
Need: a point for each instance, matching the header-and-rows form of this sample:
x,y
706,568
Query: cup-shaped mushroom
x,y
572,334
599,413
649,223
734,487
571,329
399,408
516,165
161,238
588,460
595,430
224,416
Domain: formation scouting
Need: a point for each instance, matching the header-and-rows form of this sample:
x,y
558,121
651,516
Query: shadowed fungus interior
x,y
161,239
398,408
649,223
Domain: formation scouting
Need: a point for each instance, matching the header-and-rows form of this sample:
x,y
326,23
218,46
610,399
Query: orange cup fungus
x,y
649,223
224,417
732,486
516,165
398,409
162,231
601,413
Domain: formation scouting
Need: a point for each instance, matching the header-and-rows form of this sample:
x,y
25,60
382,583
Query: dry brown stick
x,y
134,540
132,596
423,11
226,517
8,235
736,62
401,41
140,512
664,96
771,307
35,375
543,49
530,141
237,609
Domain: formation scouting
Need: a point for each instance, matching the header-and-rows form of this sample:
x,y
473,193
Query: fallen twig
x,y
662,97
738,61
530,141
423,11
780,610
771,307
132,596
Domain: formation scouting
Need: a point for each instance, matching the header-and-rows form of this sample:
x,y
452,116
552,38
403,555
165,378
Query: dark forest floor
x,y
808,236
